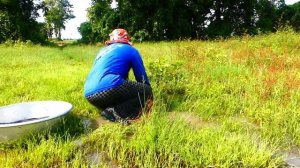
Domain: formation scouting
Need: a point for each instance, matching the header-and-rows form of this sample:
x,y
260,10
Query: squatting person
x,y
107,86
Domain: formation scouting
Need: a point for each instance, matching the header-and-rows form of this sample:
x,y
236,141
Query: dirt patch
x,y
191,119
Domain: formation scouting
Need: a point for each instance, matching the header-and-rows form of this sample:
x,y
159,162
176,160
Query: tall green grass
x,y
223,103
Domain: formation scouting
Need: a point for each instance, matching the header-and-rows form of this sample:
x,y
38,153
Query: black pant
x,y
127,100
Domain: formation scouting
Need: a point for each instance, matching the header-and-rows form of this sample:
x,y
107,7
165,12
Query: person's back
x,y
110,72
111,68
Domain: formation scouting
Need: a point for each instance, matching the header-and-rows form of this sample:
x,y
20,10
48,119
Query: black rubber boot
x,y
108,114
111,115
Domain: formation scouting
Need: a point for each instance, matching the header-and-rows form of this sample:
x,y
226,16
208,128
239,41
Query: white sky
x,y
79,10
291,1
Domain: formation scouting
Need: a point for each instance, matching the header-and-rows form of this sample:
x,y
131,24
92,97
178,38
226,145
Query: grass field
x,y
223,103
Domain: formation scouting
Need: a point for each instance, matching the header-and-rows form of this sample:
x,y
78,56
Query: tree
x,y
162,20
7,30
102,19
56,13
176,19
290,14
228,17
267,15
17,21
86,32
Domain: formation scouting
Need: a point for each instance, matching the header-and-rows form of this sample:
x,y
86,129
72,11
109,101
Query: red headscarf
x,y
119,36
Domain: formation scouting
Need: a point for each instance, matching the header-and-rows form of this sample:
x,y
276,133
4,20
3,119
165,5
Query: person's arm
x,y
139,69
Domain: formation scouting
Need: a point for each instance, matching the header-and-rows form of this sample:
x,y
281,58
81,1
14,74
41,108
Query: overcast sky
x,y
79,8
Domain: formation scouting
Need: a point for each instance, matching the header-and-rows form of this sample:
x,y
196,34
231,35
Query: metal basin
x,y
18,120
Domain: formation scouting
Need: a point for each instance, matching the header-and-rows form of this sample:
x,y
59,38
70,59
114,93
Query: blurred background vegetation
x,y
149,20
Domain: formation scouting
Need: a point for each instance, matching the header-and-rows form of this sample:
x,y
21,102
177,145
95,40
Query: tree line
x,y
180,19
147,19
18,19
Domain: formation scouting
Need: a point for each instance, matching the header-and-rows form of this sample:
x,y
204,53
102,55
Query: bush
x,y
141,36
171,80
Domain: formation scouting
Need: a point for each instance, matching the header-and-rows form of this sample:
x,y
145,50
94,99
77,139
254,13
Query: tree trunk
x,y
218,11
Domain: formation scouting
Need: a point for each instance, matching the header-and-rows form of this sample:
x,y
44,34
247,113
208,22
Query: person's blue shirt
x,y
111,68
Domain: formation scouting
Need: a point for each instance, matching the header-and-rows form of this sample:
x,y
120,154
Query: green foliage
x,y
172,81
140,36
102,19
266,11
163,143
17,21
290,15
56,13
167,20
6,31
163,20
86,32
222,103
180,19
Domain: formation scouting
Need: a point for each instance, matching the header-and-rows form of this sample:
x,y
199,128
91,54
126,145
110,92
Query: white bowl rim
x,y
5,125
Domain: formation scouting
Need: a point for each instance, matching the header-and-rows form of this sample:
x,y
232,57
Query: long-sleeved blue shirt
x,y
111,68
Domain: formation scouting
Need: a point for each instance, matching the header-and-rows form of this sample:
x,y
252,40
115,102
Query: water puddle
x,y
93,124
191,119
78,143
101,159
245,121
90,125
293,157
93,159
294,162
96,159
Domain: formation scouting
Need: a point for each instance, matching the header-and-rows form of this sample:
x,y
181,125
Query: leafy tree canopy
x,y
17,21
56,13
175,19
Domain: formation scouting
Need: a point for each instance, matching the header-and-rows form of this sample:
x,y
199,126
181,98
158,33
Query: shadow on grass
x,y
69,128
